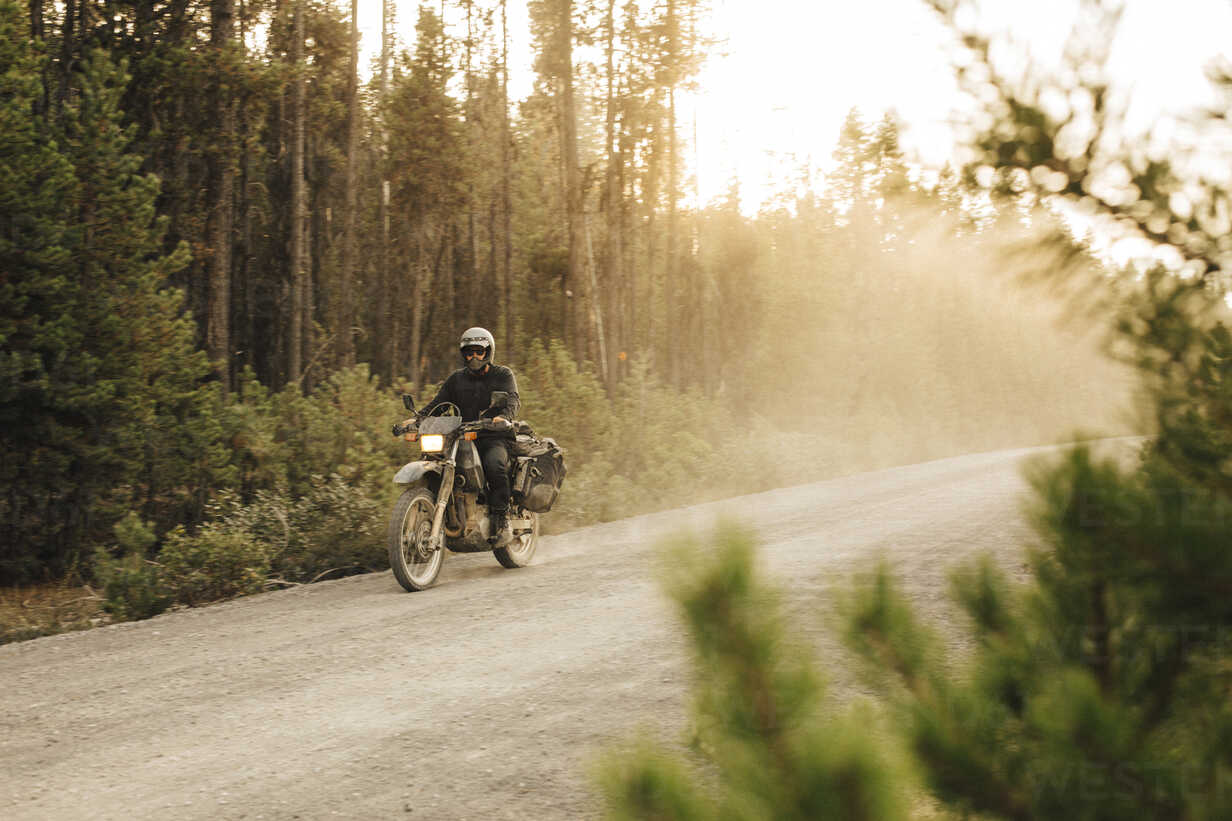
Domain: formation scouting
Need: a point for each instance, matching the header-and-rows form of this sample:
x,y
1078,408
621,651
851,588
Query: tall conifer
x,y
100,405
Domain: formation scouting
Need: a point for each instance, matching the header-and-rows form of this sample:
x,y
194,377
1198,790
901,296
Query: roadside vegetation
x,y
1096,689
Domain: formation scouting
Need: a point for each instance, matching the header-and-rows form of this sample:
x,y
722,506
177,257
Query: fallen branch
x,y
331,570
269,582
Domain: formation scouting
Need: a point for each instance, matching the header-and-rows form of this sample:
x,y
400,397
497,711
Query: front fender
x,y
412,472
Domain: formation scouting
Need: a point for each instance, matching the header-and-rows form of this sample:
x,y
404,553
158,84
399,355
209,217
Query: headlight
x,y
432,442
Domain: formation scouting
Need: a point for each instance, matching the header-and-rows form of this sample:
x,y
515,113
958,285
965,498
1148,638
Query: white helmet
x,y
477,337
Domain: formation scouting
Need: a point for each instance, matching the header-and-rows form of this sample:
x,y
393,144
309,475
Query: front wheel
x,y
518,552
416,562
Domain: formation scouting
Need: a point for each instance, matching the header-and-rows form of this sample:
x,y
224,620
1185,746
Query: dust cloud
x,y
909,336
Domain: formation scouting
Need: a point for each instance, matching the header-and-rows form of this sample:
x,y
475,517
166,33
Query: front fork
x,y
435,538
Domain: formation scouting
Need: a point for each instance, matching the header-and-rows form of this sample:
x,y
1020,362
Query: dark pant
x,y
494,454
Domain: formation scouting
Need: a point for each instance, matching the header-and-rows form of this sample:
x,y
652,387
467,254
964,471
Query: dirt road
x,y
487,696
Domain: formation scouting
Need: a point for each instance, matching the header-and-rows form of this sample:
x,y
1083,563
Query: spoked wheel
x,y
519,552
415,562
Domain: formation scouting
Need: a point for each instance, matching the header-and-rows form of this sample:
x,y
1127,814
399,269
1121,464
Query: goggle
x,y
474,351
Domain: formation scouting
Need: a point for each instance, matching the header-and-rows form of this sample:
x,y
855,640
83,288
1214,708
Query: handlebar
x,y
478,425
487,424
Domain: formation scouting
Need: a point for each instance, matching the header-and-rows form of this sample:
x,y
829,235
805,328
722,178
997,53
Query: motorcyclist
x,y
471,388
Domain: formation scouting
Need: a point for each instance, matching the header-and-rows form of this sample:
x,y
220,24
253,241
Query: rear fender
x,y
413,472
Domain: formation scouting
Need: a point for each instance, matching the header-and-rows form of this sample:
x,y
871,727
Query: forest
x,y
225,248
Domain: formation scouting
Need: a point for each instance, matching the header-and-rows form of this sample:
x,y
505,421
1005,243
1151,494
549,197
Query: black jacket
x,y
472,392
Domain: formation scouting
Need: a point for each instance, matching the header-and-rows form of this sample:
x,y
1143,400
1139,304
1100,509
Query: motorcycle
x,y
442,505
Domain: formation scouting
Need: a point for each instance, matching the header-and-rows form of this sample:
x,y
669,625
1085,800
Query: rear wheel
x,y
415,561
519,552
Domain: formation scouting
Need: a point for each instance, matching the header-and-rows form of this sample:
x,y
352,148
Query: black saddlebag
x,y
539,472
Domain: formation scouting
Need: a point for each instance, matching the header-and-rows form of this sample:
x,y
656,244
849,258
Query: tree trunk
x,y
298,210
344,313
383,349
244,278
474,292
37,35
384,345
595,307
671,271
67,52
222,185
506,193
574,305
628,291
446,274
650,232
310,275
493,271
425,259
418,274
612,252
241,286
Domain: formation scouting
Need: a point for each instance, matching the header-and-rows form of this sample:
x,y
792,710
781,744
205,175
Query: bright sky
x,y
794,68
775,94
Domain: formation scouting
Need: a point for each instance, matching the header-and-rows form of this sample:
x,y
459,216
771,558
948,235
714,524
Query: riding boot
x,y
497,518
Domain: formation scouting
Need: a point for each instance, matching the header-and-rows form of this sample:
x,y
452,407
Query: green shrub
x,y
132,584
566,402
282,441
133,535
216,563
335,526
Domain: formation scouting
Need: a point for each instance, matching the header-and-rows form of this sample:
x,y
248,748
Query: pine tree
x,y
101,404
758,719
506,195
553,28
344,312
427,190
222,187
36,325
301,307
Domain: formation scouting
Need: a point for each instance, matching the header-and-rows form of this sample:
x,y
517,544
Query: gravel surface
x,y
488,696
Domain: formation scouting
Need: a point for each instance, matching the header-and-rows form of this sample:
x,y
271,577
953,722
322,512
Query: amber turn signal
x,y
470,436
410,437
